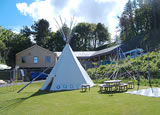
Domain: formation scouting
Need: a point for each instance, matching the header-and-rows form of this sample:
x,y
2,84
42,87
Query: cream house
x,y
35,57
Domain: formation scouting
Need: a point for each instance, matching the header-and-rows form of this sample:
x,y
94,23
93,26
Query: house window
x,y
23,59
35,59
48,59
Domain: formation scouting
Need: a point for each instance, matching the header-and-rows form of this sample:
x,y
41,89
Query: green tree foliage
x,y
10,44
2,52
82,37
3,47
15,45
26,31
56,42
127,22
40,31
140,23
101,35
87,36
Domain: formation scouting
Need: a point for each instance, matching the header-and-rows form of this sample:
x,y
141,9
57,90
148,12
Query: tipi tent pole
x,y
125,68
116,75
149,73
138,83
32,80
108,67
60,28
129,73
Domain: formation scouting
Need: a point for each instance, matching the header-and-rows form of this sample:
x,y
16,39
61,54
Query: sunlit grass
x,y
31,101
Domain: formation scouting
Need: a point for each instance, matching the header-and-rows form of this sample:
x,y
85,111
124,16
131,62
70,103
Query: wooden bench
x,y
123,87
104,87
101,86
130,84
84,87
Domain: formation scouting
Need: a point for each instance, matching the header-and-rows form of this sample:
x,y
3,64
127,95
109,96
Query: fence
x,y
11,74
6,74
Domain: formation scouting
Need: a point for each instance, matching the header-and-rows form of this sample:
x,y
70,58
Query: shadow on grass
x,y
38,93
110,93
84,91
11,104
5,92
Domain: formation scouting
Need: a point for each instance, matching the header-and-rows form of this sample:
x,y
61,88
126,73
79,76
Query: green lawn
x,y
31,101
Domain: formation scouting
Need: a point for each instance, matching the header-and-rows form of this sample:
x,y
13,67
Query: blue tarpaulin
x,y
42,76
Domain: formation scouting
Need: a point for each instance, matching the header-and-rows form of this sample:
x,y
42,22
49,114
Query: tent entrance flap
x,y
50,84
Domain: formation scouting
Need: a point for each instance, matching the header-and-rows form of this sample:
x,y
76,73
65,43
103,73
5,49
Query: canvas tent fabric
x,y
150,92
67,74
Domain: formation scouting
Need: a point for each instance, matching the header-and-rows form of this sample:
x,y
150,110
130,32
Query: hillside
x,y
123,67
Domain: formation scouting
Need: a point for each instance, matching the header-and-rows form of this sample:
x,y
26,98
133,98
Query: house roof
x,y
46,50
92,53
106,50
80,53
84,53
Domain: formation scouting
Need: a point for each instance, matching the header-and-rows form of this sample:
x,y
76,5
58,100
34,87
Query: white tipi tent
x,y
68,73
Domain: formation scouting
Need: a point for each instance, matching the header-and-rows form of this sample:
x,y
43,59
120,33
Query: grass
x,y
31,101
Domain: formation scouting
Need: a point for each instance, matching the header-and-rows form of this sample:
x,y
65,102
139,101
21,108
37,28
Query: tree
x,y
10,44
88,36
17,43
3,49
26,31
56,41
127,21
40,31
83,36
4,38
142,27
101,35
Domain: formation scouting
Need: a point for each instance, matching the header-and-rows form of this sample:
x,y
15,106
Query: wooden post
x,y
99,60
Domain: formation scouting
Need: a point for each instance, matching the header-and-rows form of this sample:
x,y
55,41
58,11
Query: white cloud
x,y
16,32
93,11
112,18
15,29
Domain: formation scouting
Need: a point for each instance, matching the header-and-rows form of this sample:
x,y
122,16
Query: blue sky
x,y
10,17
18,13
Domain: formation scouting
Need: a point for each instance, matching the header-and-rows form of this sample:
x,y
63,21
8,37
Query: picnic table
x,y
113,82
118,86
